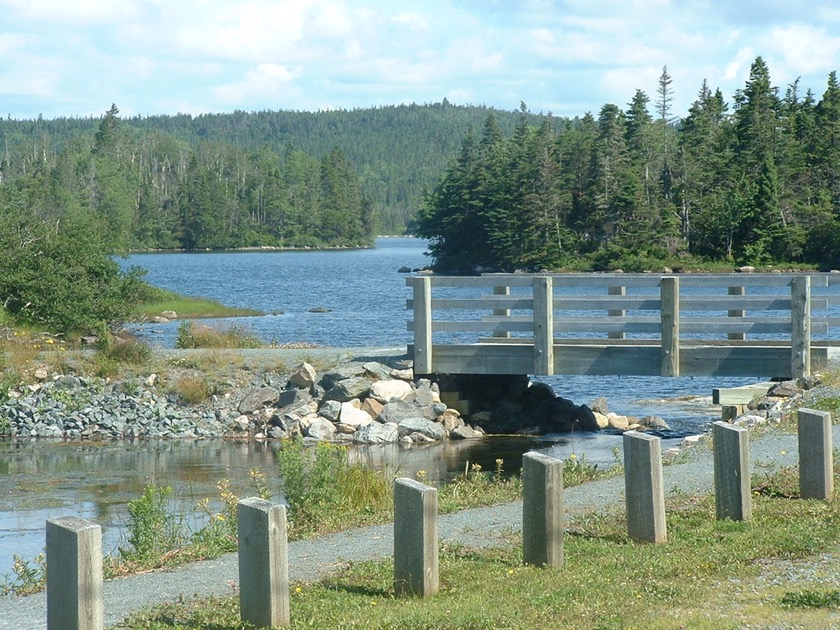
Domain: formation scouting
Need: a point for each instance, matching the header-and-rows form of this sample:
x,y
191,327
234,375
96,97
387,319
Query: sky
x,y
568,57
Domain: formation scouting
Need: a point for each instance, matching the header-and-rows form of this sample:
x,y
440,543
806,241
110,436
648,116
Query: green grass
x,y
155,301
710,574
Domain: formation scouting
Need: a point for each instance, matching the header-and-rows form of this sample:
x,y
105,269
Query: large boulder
x,y
465,432
320,429
377,433
431,430
383,391
352,414
305,377
330,409
258,397
398,410
348,389
294,401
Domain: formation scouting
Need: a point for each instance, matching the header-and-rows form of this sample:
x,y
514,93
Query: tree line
x,y
756,182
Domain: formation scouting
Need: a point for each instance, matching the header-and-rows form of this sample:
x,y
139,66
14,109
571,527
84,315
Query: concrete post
x,y
263,563
816,465
733,498
643,488
542,510
415,538
74,578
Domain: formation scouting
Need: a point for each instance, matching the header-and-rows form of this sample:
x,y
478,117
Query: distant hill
x,y
398,151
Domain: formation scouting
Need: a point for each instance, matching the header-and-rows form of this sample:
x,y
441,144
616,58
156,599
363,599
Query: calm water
x,y
366,299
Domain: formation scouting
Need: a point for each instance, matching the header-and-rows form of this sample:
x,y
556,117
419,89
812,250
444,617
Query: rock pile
x,y
364,403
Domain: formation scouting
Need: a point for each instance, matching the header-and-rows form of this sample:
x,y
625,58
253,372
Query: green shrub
x,y
153,529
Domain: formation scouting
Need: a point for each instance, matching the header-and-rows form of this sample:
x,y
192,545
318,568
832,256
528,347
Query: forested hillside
x,y
261,170
753,181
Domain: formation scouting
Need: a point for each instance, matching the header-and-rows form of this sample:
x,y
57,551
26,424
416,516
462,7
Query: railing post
x,y
543,326
542,510
263,563
816,456
618,312
732,472
74,578
737,312
800,326
643,488
504,312
422,325
415,538
670,320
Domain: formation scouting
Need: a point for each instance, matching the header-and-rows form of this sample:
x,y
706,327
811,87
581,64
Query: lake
x,y
365,297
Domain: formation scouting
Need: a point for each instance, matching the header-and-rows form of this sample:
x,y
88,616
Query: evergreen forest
x,y
755,181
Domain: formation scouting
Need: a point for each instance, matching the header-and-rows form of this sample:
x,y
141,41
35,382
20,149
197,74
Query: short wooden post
x,y
542,510
616,312
643,488
415,538
263,563
800,322
503,312
670,321
422,325
736,312
816,465
733,498
543,326
74,578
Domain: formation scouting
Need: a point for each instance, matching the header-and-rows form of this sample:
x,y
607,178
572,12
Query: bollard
x,y
816,466
74,577
263,563
733,498
643,488
415,538
542,510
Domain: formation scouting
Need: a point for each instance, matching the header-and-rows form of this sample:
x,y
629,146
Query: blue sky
x,y
75,58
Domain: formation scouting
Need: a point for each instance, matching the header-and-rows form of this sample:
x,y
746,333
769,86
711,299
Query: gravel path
x,y
311,559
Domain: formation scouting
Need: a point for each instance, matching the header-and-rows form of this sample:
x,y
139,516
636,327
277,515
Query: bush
x,y
153,529
60,275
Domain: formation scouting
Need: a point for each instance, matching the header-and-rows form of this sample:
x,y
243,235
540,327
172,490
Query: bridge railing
x,y
612,323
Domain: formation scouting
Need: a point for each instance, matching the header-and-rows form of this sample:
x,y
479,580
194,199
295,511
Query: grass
x,y
159,300
191,335
711,574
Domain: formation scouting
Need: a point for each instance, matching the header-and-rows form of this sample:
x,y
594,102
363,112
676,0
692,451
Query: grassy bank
x,y
774,571
156,301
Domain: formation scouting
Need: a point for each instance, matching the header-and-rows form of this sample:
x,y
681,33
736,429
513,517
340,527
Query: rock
x,y
427,393
599,405
293,401
258,397
305,377
41,373
330,410
157,319
384,391
276,433
67,382
406,374
431,430
353,415
602,420
242,423
404,270
348,389
465,432
785,389
377,370
169,314
373,407
656,423
746,269
320,309
618,422
320,429
152,380
542,392
584,417
377,433
398,410
451,420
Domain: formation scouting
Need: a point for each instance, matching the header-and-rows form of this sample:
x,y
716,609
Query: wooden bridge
x,y
737,324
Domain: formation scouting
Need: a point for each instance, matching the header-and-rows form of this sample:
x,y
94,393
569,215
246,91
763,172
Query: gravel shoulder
x,y
312,559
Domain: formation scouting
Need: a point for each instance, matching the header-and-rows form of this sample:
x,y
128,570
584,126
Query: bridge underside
x,y
629,357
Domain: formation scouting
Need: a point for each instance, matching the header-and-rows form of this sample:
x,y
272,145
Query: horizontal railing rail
x,y
674,310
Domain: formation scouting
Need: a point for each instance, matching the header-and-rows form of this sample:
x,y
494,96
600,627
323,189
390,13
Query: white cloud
x,y
266,80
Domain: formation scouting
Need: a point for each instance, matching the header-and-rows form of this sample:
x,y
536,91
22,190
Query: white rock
x,y
353,416
383,391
